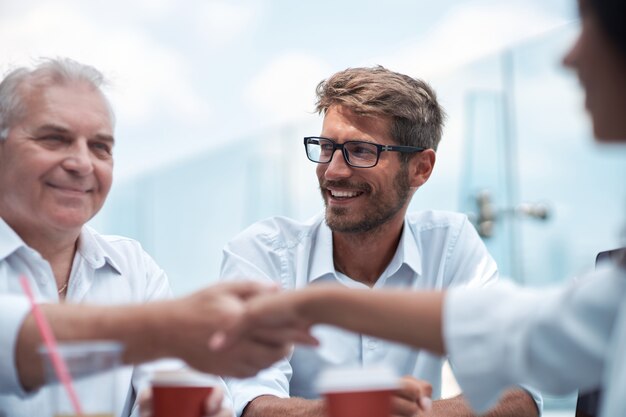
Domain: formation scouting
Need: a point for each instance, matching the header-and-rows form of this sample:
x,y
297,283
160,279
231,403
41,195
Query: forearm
x,y
178,328
514,403
135,327
413,318
270,406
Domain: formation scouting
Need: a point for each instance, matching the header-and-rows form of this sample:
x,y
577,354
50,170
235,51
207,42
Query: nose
x,y
337,168
78,159
570,59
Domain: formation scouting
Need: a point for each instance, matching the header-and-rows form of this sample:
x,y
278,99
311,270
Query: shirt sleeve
x,y
468,261
271,381
13,312
471,265
157,287
553,340
157,283
251,255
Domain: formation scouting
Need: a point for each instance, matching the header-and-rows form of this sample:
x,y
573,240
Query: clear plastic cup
x,y
92,366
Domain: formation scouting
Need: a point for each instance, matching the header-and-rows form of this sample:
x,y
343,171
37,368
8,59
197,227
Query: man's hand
x,y
411,398
190,322
212,404
269,318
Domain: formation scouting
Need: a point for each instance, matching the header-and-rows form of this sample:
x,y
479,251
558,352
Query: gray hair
x,y
47,72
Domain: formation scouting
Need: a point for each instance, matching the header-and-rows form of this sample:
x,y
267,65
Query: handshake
x,y
232,329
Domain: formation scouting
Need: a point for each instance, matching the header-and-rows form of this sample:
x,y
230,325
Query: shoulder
x,y
279,232
142,278
116,243
120,250
444,231
421,221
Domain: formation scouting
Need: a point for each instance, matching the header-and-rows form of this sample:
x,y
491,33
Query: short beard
x,y
374,217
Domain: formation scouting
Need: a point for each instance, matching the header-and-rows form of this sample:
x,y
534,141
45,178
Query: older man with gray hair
x,y
56,166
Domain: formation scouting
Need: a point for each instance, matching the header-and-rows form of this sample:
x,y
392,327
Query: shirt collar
x,y
411,255
88,246
9,240
322,262
92,250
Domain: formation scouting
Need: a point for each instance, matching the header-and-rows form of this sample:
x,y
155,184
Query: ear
x,y
421,166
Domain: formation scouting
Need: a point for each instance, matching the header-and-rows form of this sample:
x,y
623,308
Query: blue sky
x,y
192,75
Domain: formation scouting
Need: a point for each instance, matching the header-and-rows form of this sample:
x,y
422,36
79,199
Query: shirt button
x,y
372,344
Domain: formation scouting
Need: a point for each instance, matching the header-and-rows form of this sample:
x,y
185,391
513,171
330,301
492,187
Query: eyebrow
x,y
60,129
350,140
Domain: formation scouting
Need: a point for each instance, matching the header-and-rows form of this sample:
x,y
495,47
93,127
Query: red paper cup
x,y
363,392
180,393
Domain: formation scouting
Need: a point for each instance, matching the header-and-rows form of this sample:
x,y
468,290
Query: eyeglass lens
x,y
357,153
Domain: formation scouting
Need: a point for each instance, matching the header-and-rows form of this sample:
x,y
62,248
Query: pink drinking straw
x,y
48,337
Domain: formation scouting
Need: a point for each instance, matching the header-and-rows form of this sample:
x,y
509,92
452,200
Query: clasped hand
x,y
221,329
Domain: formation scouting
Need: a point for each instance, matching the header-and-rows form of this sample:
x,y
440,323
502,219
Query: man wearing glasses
x,y
377,147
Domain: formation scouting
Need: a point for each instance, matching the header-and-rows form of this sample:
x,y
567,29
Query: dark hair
x,y
612,16
411,104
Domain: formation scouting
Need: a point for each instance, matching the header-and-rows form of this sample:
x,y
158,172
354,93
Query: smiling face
x,y
601,69
56,163
361,199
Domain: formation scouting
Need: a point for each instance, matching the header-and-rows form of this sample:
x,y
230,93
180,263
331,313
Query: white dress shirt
x,y
106,270
437,250
557,340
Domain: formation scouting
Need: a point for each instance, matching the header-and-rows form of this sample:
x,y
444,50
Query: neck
x,y
364,256
56,248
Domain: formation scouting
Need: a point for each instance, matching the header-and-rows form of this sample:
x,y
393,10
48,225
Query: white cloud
x,y
150,8
470,32
149,79
284,90
218,22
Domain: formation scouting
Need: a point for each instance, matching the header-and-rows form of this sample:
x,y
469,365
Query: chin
x,y
604,134
70,221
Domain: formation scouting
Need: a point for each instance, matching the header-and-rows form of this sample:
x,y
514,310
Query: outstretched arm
x,y
413,318
174,328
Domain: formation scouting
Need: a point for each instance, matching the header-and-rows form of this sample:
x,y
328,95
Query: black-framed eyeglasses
x,y
356,153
